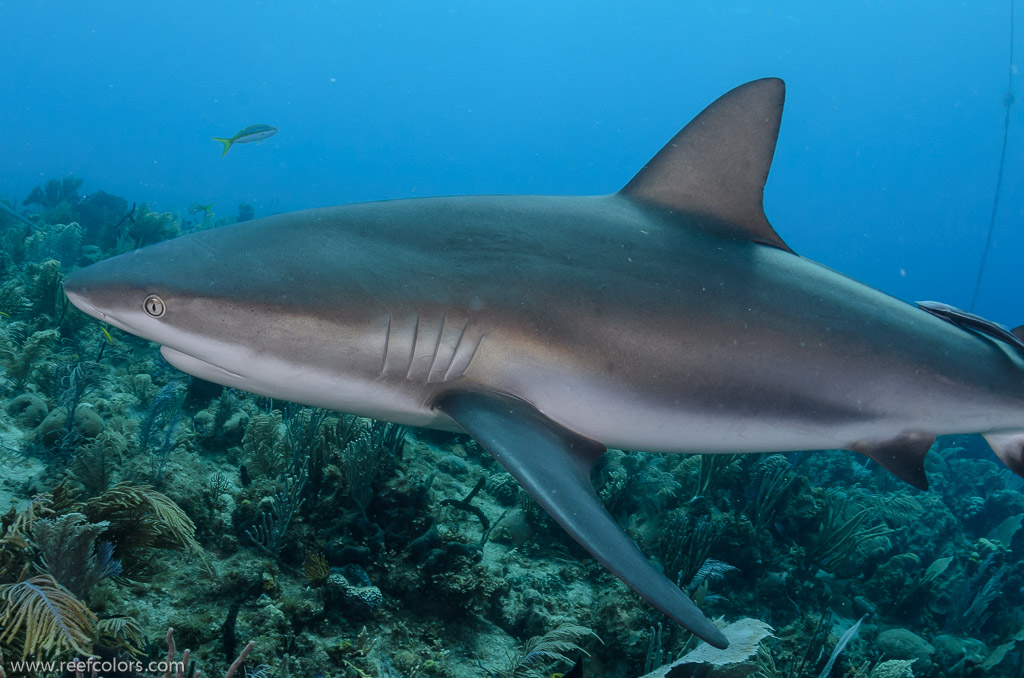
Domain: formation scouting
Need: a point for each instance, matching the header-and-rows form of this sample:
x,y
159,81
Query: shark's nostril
x,y
82,305
72,285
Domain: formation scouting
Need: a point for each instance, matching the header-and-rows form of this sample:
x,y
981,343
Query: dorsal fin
x,y
718,164
974,323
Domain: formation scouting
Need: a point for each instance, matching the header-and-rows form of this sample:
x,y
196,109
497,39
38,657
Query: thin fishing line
x,y
1008,101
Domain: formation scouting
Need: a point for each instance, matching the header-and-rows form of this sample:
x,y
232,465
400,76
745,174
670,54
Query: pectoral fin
x,y
903,456
553,464
1010,448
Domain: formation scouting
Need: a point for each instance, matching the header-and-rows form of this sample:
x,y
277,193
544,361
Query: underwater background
x,y
141,499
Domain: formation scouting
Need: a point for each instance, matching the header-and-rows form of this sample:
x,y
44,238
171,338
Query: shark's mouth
x,y
86,307
202,369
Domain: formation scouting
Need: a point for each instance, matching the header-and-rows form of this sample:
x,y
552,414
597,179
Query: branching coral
x,y
89,667
171,652
43,616
631,481
163,408
58,500
25,358
96,462
68,551
99,214
315,441
44,619
972,597
123,632
843,530
265,445
684,546
79,423
141,519
367,457
12,299
270,531
553,647
775,482
45,295
61,243
710,464
54,192
152,227
57,197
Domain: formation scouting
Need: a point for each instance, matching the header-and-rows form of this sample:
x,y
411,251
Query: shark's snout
x,y
76,288
99,291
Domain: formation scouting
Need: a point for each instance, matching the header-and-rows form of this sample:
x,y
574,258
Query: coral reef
x,y
142,499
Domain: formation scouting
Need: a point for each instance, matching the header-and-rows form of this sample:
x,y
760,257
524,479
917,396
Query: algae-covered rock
x,y
222,424
504,488
29,409
894,668
152,227
892,579
514,529
453,465
52,431
358,599
31,357
904,644
949,649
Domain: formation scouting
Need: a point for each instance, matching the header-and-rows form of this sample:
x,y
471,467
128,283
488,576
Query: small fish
x,y
106,334
247,135
196,208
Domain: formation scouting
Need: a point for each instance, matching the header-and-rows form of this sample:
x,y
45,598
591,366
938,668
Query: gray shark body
x,y
667,317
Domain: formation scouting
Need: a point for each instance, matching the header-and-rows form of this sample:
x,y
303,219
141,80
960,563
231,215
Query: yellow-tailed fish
x,y
196,207
247,135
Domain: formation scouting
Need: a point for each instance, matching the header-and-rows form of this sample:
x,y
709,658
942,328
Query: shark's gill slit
x,y
412,348
453,358
387,346
437,345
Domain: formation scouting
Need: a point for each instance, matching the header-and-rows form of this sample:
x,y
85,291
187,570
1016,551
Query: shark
x,y
668,316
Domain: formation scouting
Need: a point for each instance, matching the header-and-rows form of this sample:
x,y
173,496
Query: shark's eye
x,y
154,306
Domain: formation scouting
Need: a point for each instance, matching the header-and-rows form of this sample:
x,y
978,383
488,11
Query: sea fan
x,y
140,519
45,618
126,505
553,646
69,553
711,570
266,446
96,461
22,361
125,633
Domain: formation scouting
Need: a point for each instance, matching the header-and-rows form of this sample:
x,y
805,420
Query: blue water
x,y
885,169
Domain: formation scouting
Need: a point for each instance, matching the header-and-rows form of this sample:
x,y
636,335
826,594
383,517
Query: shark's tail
x,y
227,144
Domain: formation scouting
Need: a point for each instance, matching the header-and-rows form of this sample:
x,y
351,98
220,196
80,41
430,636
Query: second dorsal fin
x,y
974,323
718,164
